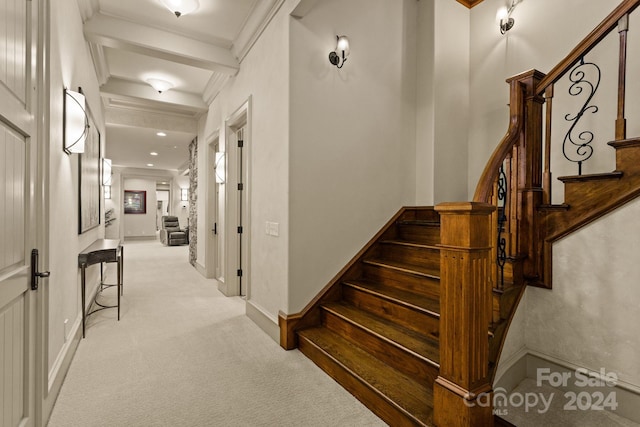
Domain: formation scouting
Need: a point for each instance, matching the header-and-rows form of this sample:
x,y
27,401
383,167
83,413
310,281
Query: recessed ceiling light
x,y
150,165
153,153
161,134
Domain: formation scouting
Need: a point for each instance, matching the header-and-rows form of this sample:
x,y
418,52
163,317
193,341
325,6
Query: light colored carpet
x,y
185,355
557,416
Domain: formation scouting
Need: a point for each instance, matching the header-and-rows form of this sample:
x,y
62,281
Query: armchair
x,y
171,234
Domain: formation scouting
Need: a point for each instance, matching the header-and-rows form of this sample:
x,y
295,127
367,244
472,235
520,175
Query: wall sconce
x,y
184,194
220,169
75,121
107,192
106,172
342,46
504,17
181,7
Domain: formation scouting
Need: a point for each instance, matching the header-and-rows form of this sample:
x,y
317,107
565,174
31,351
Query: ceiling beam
x,y
125,89
303,7
120,34
159,121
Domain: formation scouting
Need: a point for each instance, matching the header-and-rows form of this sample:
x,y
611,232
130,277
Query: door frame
x,y
241,117
30,118
215,234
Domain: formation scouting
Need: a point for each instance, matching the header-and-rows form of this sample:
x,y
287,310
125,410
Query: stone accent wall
x,y
193,201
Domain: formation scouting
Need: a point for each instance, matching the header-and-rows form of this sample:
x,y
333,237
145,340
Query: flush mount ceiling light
x,y
181,7
161,134
339,56
160,85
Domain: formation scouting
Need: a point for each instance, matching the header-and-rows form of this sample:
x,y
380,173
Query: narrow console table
x,y
100,251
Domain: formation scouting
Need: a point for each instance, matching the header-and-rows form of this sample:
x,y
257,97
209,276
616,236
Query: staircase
x,y
414,324
380,339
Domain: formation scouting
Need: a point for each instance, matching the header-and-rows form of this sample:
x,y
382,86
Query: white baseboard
x,y
140,238
264,321
511,371
202,270
60,369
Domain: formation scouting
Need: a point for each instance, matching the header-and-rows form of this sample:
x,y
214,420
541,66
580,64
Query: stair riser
x,y
427,258
628,159
401,280
581,193
407,317
370,398
391,354
426,234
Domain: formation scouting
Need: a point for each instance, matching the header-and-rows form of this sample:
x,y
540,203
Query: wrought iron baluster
x,y
502,220
581,140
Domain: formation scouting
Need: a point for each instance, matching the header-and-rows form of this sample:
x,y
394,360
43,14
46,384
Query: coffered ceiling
x,y
133,41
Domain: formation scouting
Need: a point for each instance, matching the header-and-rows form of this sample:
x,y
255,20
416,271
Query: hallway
x,y
185,355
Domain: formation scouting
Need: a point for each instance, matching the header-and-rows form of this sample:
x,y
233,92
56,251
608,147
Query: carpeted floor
x,y
553,413
185,355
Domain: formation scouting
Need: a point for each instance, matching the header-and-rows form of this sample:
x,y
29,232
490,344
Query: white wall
x,y
70,67
141,225
179,208
352,141
442,111
591,316
264,77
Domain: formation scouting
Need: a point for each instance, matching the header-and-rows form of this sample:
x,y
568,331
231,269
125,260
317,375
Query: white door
x,y
18,159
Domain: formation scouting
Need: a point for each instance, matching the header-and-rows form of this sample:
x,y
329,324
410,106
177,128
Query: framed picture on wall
x,y
89,180
135,202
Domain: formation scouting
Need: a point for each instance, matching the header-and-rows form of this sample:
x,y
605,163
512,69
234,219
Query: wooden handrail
x,y
589,42
516,108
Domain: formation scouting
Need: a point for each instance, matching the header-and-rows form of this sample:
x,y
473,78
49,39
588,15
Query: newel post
x,y
463,392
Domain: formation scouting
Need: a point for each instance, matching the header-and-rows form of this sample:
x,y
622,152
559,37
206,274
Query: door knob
x,y
35,274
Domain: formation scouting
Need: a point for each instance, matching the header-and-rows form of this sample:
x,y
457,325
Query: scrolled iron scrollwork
x,y
576,145
501,258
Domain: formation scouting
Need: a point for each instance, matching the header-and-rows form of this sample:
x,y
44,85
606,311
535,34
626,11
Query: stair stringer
x,y
311,315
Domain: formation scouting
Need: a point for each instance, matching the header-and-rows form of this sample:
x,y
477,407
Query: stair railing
x,y
586,82
517,183
522,160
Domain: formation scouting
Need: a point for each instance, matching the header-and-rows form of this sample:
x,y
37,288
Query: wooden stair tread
x,y
423,303
424,347
399,390
406,268
591,177
625,143
413,244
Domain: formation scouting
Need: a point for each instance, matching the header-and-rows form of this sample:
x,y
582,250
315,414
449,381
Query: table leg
x,y
83,292
121,270
119,288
